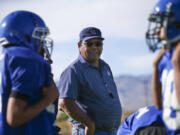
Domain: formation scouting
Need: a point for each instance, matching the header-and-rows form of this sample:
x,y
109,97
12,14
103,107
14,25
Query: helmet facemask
x,y
152,34
41,35
171,25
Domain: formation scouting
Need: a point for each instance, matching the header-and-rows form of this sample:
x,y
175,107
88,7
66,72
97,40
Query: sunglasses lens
x,y
89,44
97,44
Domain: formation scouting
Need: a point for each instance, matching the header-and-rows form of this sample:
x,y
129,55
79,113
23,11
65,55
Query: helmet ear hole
x,y
28,38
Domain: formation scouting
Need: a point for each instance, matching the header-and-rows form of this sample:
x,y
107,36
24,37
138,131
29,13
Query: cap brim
x,y
87,38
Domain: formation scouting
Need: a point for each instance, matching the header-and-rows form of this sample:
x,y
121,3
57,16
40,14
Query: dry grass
x,y
125,115
67,126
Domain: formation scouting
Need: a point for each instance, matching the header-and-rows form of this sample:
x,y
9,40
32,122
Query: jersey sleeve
x,y
68,84
28,76
142,118
126,127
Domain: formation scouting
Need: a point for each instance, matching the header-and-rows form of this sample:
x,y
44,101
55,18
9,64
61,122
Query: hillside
x,y
134,91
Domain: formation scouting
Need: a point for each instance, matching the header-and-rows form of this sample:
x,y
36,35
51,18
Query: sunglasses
x,y
90,44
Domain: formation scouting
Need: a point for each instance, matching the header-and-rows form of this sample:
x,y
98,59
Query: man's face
x,y
91,49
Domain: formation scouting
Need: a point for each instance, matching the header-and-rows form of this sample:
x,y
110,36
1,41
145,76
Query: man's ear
x,y
79,44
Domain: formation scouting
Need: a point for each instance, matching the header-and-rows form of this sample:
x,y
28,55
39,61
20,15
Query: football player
x,y
26,84
164,33
145,121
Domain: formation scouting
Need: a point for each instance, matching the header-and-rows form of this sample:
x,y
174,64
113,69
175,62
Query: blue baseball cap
x,y
89,33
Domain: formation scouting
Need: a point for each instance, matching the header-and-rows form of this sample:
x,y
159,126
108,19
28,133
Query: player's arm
x,y
72,109
20,112
156,89
156,85
176,63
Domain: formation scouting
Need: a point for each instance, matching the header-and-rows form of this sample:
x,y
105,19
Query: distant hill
x,y
134,91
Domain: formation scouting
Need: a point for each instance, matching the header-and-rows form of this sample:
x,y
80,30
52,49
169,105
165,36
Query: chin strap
x,y
47,54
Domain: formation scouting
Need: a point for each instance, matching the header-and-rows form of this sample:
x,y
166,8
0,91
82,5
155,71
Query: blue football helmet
x,y
166,13
24,28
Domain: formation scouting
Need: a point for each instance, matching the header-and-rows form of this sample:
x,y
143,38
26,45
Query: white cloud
x,y
136,65
116,18
140,62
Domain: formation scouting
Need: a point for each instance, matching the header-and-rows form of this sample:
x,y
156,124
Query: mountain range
x,y
134,91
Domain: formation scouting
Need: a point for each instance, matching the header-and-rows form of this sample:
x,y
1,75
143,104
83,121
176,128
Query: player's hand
x,y
176,56
90,129
158,57
50,93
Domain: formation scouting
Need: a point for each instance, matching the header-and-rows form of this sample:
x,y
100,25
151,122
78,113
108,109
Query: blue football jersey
x,y
141,118
24,71
171,109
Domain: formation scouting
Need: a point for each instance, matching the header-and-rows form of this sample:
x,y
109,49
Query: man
x,y
26,83
145,121
166,74
88,91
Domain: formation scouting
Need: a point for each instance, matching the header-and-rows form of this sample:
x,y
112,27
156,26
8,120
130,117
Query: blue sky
x,y
123,24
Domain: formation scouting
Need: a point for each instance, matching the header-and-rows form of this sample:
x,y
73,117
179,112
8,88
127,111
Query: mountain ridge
x,y
134,91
